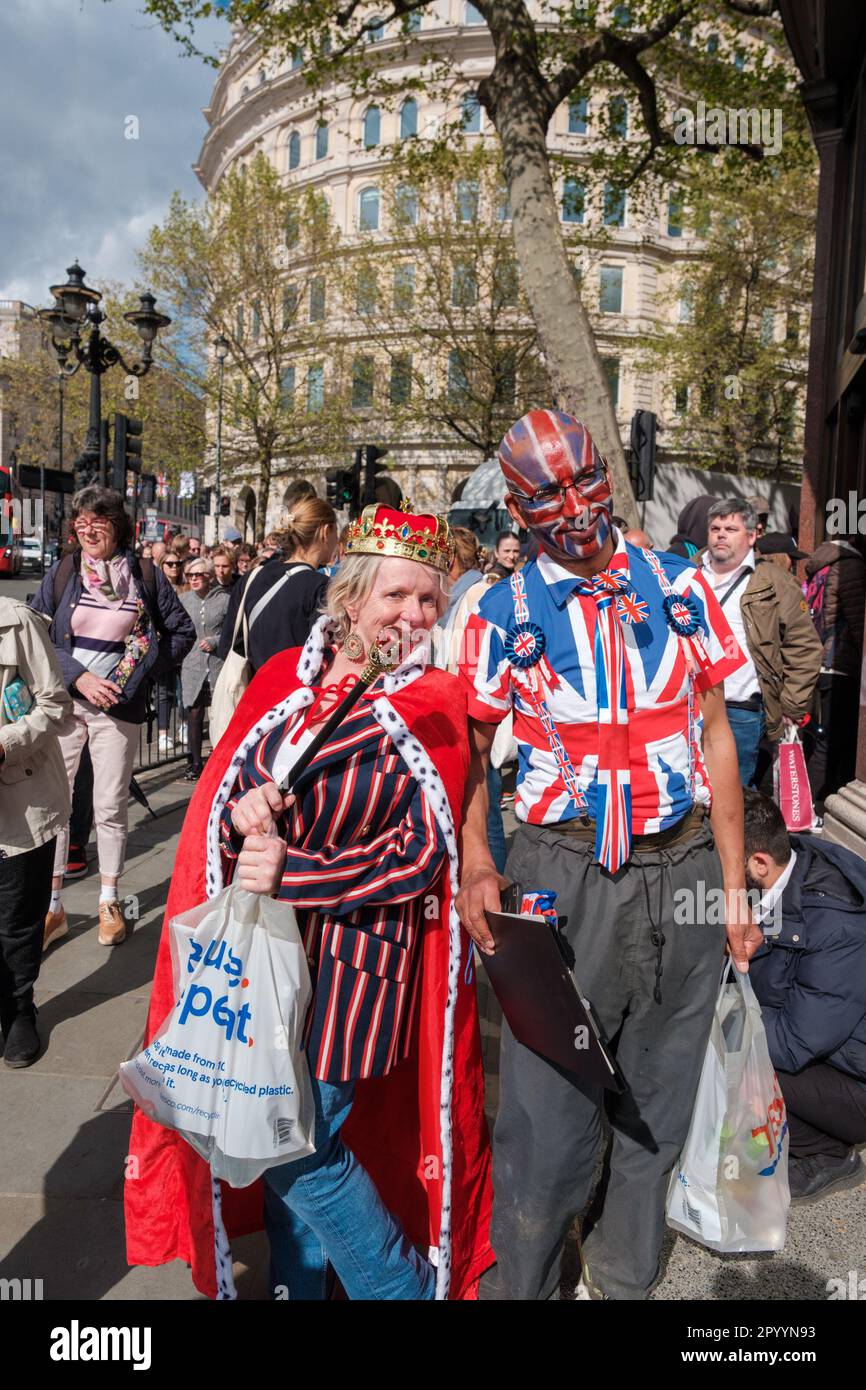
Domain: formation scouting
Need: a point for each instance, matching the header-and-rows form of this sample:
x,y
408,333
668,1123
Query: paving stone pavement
x,y
65,1127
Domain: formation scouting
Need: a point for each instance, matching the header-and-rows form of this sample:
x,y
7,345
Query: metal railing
x,y
163,737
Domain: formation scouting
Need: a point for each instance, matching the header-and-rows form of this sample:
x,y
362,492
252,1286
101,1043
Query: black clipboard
x,y
543,1003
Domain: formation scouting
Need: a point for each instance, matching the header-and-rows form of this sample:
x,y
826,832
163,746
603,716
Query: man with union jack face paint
x,y
612,659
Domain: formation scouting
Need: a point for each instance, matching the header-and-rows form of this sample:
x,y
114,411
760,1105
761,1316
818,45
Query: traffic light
x,y
378,487
204,500
225,506
643,446
127,450
342,489
148,489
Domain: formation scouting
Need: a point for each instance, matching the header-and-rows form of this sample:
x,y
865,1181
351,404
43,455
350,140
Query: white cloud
x,y
74,186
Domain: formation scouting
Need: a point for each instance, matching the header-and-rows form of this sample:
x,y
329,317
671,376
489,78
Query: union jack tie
x,y
613,814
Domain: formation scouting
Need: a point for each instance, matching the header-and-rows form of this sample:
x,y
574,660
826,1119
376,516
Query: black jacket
x,y
288,618
174,628
838,613
811,979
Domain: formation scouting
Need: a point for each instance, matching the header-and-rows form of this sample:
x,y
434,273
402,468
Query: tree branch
x,y
753,7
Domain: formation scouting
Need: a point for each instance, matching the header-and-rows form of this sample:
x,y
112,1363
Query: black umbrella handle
x,y
376,664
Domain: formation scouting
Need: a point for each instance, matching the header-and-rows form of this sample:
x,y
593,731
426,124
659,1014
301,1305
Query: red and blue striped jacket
x,y
363,848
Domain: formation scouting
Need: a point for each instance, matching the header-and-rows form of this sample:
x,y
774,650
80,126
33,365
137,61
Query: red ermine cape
x,y
420,1131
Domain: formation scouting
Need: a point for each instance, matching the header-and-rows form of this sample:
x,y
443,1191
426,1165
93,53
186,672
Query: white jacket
x,y
34,788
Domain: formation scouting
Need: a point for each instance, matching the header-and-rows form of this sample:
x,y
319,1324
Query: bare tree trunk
x,y
263,494
565,333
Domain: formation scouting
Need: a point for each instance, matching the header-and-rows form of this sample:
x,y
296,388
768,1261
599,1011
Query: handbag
x,y
729,1190
226,1068
236,672
791,790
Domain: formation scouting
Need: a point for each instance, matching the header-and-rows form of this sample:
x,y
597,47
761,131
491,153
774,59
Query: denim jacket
x,y
174,629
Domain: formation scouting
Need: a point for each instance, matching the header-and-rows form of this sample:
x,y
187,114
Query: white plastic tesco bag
x,y
730,1188
225,1068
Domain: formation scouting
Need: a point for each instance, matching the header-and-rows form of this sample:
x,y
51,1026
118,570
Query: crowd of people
x,y
632,696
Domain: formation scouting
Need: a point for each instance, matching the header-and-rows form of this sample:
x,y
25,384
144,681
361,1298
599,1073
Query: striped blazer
x,y
363,848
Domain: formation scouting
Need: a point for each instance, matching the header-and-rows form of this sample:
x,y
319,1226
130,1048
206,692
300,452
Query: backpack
x,y
815,591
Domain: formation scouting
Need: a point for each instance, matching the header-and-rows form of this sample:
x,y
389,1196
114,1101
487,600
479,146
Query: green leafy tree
x,y
438,304
256,264
165,400
656,52
736,353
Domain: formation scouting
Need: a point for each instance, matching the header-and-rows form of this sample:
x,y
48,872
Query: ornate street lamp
x,y
76,308
221,352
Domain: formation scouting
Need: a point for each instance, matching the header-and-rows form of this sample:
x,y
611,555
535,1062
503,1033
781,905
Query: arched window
x,y
406,206
372,127
412,22
408,119
368,210
713,44
472,15
321,140
618,113
471,114
297,59
245,90
294,149
377,33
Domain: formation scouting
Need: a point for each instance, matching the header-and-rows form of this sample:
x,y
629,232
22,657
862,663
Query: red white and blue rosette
x,y
682,614
524,645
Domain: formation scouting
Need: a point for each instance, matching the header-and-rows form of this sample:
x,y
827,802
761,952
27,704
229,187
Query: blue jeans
x,y
495,826
325,1209
748,727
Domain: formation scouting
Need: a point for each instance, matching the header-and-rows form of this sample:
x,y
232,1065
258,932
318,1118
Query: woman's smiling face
x,y
401,607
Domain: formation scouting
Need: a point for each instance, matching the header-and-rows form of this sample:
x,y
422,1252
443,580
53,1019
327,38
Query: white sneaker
x,y
166,744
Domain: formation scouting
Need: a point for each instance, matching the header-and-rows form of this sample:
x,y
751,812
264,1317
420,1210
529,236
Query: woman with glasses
x,y
207,604
115,621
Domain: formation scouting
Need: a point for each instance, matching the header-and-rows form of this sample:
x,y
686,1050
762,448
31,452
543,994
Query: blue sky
x,y
73,184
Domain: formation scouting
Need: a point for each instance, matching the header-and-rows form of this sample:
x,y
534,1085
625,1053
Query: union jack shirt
x,y
668,775
363,848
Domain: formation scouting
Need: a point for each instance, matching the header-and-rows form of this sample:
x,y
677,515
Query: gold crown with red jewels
x,y
383,531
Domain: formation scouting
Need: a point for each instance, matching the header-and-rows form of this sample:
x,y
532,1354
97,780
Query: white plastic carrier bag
x,y
226,1068
730,1188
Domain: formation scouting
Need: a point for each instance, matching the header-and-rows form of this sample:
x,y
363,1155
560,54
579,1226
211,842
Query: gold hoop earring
x,y
353,647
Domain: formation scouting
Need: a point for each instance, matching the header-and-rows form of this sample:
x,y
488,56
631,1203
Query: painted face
x,y
559,481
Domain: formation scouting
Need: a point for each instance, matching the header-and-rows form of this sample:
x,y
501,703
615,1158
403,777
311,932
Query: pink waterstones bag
x,y
791,790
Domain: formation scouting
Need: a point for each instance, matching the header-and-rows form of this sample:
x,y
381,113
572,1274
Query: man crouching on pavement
x,y
613,659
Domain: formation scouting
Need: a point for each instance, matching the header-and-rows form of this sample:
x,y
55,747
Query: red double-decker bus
x,y
10,524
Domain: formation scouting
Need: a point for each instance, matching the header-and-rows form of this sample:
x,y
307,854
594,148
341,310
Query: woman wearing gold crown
x,y
396,1197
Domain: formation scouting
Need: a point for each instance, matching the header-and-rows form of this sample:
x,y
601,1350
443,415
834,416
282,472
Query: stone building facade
x,y
628,274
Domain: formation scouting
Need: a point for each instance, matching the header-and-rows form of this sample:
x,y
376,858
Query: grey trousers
x,y
549,1126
